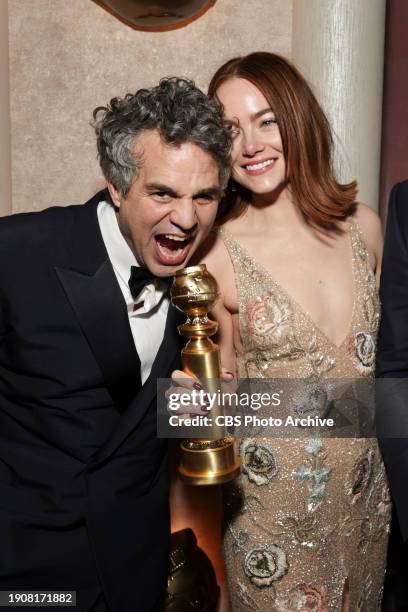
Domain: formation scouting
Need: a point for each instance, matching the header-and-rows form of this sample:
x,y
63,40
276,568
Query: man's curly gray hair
x,y
177,109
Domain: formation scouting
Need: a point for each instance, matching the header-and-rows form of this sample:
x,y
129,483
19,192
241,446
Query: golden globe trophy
x,y
213,460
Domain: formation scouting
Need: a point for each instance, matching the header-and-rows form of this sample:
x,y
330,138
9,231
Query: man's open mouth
x,y
172,249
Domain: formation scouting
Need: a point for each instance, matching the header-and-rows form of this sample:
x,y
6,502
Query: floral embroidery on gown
x,y
306,514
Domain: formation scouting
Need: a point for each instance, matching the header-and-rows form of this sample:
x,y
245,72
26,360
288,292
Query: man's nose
x,y
184,214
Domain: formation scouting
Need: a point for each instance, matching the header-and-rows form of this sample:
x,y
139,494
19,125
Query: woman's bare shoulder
x,y
214,254
370,226
367,219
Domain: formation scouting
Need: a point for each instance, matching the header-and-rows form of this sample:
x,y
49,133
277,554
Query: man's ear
x,y
114,194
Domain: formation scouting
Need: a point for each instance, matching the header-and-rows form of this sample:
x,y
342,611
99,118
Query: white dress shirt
x,y
147,323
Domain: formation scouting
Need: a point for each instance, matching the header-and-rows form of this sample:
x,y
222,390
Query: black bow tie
x,y
140,277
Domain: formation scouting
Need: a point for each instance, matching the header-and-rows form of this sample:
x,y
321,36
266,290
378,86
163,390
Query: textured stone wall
x,y
5,157
68,56
339,46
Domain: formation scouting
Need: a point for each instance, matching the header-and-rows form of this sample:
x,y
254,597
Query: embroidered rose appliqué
x,y
264,566
258,462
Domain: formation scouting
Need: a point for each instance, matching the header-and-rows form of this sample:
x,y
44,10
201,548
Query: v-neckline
x,y
295,304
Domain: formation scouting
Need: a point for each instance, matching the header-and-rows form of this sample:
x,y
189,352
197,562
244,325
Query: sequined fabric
x,y
306,515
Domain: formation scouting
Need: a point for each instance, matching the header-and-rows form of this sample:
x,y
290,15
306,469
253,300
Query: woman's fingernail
x,y
197,386
204,408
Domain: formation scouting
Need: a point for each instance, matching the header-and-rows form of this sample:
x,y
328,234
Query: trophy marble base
x,y
208,462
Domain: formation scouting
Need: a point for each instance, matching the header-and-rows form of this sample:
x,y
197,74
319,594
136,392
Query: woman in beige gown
x,y
296,260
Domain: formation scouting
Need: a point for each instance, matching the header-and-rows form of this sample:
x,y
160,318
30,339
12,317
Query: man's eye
x,y
161,195
204,199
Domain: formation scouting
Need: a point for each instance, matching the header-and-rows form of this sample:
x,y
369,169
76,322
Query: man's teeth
x,y
263,164
176,238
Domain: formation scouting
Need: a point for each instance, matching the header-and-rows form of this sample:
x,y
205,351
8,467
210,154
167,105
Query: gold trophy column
x,y
213,460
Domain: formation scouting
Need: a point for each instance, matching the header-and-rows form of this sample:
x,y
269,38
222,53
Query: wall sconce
x,y
156,15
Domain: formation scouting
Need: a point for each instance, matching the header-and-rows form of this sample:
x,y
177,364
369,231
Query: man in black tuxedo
x,y
83,477
392,394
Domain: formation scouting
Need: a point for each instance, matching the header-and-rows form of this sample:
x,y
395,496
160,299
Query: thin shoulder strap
x,y
360,251
232,247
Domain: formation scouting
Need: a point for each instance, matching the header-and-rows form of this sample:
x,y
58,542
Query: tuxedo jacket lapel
x,y
166,358
92,289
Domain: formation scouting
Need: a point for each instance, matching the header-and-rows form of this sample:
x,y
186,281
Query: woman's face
x,y
257,157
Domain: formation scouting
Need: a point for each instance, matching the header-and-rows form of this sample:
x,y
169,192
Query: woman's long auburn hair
x,y
306,140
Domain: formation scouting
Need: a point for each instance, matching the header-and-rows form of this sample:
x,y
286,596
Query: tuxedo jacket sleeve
x,y
392,356
83,476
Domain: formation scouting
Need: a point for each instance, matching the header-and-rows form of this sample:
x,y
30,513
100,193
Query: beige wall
x,y
5,160
68,57
339,47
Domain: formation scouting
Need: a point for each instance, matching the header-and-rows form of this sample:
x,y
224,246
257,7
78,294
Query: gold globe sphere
x,y
194,291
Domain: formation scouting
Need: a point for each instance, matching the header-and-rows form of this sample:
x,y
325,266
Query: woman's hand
x,y
190,387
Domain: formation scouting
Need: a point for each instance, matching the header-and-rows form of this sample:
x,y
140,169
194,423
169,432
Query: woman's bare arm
x,y
370,225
